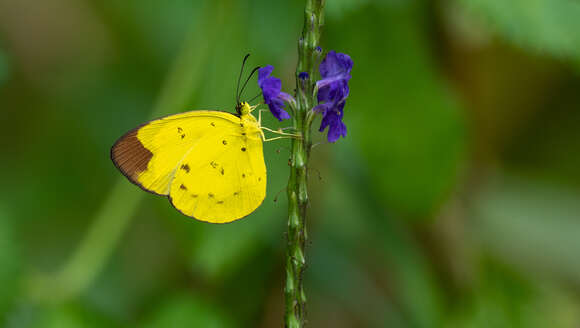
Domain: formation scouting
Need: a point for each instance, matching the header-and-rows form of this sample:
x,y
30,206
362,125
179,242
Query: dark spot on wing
x,y
243,133
236,193
213,164
212,124
220,201
224,142
185,167
182,136
183,187
222,171
242,125
243,148
243,175
210,195
259,179
179,130
193,195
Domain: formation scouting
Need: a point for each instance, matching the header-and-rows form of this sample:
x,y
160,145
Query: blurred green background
x,y
453,202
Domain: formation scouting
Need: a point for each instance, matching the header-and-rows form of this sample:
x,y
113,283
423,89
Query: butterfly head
x,y
244,108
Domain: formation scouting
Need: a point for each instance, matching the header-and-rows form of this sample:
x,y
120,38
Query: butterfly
x,y
210,164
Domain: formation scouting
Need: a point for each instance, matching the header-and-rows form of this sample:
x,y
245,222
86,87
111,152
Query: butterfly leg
x,y
276,138
281,133
264,138
260,123
260,116
252,108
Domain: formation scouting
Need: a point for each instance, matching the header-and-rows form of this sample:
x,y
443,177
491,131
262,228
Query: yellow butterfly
x,y
210,164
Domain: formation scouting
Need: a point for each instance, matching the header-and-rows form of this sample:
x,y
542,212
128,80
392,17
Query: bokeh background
x,y
453,202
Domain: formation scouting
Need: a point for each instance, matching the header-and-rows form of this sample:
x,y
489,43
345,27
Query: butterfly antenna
x,y
318,144
247,80
278,194
256,96
240,78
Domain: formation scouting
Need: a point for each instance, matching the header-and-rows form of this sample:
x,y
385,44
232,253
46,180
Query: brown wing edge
x,y
131,157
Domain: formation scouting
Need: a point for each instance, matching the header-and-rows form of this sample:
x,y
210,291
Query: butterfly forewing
x,y
149,155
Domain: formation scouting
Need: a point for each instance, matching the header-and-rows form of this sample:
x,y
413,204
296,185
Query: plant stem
x,y
295,312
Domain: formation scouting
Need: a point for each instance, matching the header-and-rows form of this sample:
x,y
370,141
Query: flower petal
x,y
336,92
277,109
332,93
333,120
264,72
335,64
271,91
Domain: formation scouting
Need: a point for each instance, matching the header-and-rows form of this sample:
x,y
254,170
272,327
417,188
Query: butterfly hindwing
x,y
222,180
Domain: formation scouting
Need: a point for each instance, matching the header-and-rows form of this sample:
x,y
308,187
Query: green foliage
x,y
10,262
187,311
406,123
219,253
71,315
505,299
417,296
339,8
543,26
478,146
4,67
510,206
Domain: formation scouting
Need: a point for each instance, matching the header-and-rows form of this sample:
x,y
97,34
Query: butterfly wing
x,y
149,155
222,179
184,156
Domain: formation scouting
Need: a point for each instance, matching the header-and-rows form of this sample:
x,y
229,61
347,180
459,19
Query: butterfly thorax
x,y
248,122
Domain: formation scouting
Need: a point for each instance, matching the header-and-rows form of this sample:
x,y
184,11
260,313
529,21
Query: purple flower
x,y
332,93
333,119
334,67
271,90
